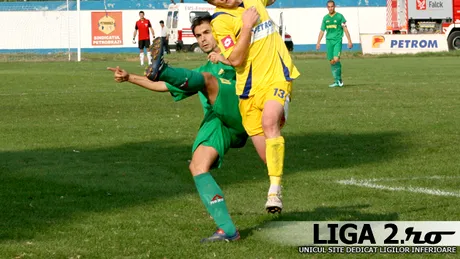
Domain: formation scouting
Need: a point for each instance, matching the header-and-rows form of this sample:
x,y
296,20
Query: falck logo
x,y
421,4
217,198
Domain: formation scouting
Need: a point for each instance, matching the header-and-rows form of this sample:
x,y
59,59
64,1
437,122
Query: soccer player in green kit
x,y
335,25
221,128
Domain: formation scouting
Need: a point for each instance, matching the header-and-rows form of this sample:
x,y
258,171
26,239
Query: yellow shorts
x,y
251,109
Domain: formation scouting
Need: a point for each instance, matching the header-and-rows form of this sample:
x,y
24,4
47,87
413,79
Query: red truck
x,y
425,17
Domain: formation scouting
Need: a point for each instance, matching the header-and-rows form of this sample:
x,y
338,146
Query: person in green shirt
x,y
221,127
334,24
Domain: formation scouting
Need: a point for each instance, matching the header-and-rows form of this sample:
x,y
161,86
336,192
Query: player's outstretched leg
x,y
186,79
210,193
156,51
213,198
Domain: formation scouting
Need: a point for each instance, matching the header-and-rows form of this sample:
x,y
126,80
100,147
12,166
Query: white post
x,y
68,28
283,27
78,32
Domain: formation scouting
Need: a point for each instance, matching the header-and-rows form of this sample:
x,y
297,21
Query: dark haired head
x,y
200,20
141,12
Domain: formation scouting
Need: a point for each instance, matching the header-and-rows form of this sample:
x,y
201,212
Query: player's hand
x,y
318,46
215,57
134,41
350,45
250,17
119,75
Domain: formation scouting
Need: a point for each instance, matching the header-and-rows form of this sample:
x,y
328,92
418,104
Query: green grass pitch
x,y
90,168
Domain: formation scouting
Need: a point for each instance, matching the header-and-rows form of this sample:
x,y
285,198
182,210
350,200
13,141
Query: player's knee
x,y
271,127
197,168
271,118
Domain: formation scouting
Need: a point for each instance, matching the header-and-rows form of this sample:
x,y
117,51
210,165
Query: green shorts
x,y
334,48
222,126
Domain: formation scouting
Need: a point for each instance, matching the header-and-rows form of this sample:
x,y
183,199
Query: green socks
x,y
337,71
185,79
212,197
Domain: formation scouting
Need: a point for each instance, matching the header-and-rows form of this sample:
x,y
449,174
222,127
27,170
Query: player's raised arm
x,y
240,50
121,75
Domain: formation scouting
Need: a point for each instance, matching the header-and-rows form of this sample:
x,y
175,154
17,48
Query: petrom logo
x,y
414,44
264,29
377,41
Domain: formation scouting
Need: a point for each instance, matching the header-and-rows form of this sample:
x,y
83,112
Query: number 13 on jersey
x,y
280,93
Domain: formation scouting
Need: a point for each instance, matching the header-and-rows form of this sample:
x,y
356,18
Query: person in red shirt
x,y
143,26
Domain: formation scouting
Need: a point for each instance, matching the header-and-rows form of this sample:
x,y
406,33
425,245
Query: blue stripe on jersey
x,y
285,69
219,13
247,86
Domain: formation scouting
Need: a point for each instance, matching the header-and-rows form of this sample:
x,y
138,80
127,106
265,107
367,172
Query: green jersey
x,y
333,26
226,105
218,70
222,126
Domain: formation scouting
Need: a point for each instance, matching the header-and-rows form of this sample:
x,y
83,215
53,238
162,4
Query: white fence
x,y
50,30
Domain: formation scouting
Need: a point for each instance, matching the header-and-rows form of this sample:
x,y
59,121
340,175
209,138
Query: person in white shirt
x,y
165,36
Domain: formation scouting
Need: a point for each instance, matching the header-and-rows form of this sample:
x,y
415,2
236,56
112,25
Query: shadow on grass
x,y
342,213
41,188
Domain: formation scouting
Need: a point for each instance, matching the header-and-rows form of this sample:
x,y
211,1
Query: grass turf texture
x,y
94,169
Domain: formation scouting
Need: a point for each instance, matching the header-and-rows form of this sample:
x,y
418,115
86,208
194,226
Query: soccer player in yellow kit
x,y
251,43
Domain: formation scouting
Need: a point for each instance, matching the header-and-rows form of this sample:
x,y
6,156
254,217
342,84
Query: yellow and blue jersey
x,y
268,59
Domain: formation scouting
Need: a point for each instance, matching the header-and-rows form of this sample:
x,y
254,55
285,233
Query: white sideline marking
x,y
370,184
434,177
